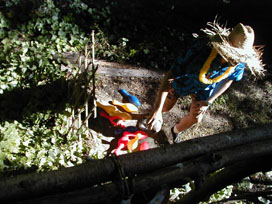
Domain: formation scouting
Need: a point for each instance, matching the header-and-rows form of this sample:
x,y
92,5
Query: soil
x,y
247,103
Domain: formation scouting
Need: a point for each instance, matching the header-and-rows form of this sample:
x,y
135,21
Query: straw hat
x,y
237,46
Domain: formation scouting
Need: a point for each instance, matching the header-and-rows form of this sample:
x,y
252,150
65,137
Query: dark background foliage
x,y
160,30
165,26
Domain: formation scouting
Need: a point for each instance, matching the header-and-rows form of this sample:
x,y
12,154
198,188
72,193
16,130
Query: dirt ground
x,y
246,103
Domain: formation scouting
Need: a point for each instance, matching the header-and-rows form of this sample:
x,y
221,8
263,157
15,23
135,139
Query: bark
x,y
226,177
250,196
194,169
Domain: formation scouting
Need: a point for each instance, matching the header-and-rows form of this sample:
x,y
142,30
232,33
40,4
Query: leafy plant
x,y
222,194
37,146
30,50
30,57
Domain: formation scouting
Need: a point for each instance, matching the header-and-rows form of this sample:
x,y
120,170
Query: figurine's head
x,y
237,46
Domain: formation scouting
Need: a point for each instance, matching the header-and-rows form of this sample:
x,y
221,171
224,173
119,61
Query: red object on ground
x,y
144,146
129,137
112,119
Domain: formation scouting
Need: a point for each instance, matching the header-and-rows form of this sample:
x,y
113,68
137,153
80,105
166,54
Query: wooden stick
x,y
94,70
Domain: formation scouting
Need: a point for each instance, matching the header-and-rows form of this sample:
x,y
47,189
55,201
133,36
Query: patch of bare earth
x,y
246,103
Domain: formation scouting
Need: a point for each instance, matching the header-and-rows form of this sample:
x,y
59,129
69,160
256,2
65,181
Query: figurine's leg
x,y
166,97
170,100
197,111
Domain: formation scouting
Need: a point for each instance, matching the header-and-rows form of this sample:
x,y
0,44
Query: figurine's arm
x,y
220,89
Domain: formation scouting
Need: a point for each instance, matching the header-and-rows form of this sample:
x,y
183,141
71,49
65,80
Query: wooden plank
x,y
127,72
114,69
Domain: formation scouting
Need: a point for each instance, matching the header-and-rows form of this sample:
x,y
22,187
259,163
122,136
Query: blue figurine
x,y
132,99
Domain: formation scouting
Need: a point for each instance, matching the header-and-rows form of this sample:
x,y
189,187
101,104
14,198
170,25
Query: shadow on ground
x,y
18,102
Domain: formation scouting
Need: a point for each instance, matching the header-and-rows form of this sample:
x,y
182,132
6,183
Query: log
x,y
99,171
239,157
226,177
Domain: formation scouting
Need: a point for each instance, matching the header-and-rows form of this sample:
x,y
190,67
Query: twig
x,y
94,70
82,75
86,100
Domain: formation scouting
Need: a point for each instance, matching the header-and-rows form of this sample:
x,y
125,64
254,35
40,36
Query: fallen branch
x,y
99,171
177,174
194,169
227,176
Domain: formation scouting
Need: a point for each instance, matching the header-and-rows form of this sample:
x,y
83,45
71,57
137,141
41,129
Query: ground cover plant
x,y
29,62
